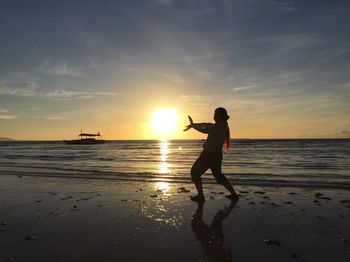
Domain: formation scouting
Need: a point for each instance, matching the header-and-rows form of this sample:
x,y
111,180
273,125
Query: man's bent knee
x,y
220,178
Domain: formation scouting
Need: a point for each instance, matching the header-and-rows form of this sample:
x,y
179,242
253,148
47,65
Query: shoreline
x,y
101,220
153,179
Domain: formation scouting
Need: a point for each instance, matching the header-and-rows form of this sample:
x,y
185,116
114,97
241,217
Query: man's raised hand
x,y
191,121
190,125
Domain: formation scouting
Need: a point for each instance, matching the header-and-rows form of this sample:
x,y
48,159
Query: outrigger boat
x,y
86,139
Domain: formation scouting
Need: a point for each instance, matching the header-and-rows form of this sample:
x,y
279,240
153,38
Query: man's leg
x,y
229,187
220,177
199,187
198,169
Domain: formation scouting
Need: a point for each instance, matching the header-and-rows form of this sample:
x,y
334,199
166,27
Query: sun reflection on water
x,y
163,186
161,213
162,207
158,209
164,148
163,167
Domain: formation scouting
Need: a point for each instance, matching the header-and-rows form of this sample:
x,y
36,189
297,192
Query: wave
x,y
301,163
242,179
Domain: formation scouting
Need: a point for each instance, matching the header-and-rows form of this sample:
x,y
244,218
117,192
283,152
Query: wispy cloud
x,y
54,117
172,77
204,74
68,94
284,6
345,133
240,88
31,89
77,33
165,2
5,114
195,100
189,8
316,134
59,69
18,88
3,110
54,114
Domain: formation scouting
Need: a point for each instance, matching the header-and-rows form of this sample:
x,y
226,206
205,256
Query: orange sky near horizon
x,y
141,126
130,115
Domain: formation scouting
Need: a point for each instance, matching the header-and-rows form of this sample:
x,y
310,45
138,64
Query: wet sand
x,y
56,219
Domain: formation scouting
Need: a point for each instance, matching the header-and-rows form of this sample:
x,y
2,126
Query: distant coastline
x,y
7,139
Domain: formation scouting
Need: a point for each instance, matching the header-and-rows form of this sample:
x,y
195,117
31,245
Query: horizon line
x,y
3,139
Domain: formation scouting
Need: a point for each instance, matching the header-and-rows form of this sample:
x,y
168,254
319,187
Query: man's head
x,y
221,115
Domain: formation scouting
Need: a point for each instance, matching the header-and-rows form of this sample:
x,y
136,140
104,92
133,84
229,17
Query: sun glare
x,y
164,122
163,186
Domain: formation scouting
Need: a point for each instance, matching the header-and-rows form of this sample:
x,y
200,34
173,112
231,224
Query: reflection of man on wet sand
x,y
212,238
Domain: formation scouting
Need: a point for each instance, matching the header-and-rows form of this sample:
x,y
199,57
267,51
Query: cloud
x,y
236,8
77,33
76,94
284,6
53,114
54,117
194,9
195,100
172,77
3,110
239,88
7,117
344,133
341,134
65,70
5,114
18,88
31,89
165,2
60,69
204,74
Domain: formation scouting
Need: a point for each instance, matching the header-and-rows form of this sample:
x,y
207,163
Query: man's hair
x,y
223,112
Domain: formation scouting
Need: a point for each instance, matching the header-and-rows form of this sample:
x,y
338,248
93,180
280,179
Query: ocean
x,y
319,163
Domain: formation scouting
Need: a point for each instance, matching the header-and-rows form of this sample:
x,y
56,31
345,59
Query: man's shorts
x,y
208,160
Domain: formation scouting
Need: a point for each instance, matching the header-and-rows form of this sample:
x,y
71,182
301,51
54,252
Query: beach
x,y
67,219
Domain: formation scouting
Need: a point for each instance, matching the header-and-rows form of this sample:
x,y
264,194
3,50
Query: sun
x,y
164,122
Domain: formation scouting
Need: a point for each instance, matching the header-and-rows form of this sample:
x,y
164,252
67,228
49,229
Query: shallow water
x,y
301,162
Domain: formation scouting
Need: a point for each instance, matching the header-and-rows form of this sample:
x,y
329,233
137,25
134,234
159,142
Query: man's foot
x,y
233,197
198,199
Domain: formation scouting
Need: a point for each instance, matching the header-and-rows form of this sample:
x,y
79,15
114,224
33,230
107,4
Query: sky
x,y
280,68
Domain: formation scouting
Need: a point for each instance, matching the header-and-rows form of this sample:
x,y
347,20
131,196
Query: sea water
x,y
292,162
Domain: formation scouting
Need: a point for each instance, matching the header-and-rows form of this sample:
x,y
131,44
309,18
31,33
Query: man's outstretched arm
x,y
200,127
